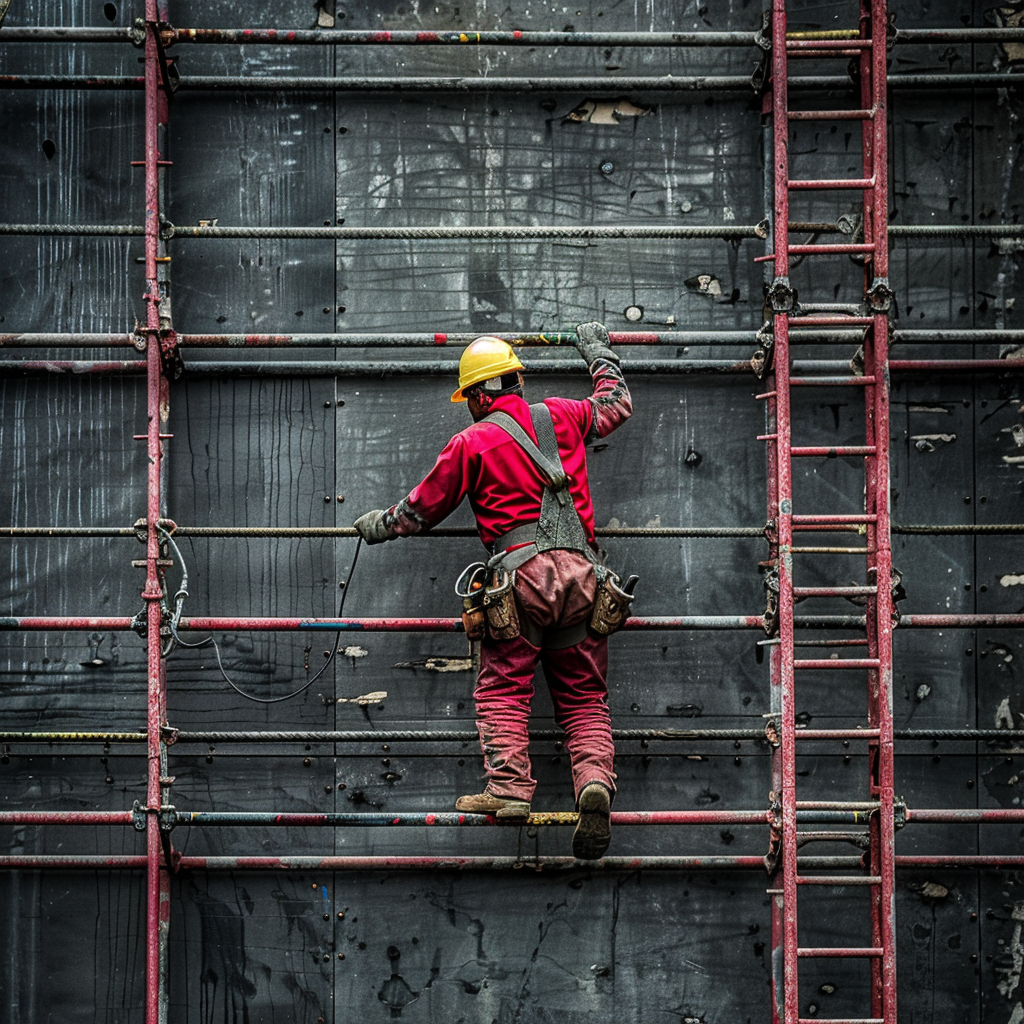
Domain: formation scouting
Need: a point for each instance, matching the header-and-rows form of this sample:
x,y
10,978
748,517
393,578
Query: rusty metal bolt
x,y
327,957
327,497
341,956
327,917
307,761
340,498
341,785
315,886
328,789
341,915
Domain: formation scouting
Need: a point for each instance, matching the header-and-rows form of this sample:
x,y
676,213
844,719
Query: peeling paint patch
x,y
705,284
440,664
948,438
605,111
1008,984
1012,580
1014,460
929,408
354,652
365,698
1004,716
922,691
1017,1016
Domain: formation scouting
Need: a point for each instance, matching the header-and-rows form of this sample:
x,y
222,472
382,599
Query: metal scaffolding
x,y
159,347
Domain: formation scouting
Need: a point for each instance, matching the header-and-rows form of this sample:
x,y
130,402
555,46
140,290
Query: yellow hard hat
x,y
483,359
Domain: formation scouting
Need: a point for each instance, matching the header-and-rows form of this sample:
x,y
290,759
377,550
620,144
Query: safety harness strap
x,y
559,526
552,469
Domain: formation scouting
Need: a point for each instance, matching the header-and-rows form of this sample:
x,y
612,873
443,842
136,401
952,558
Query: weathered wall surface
x,y
279,450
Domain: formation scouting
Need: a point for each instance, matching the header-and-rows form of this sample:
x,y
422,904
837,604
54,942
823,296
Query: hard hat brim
x,y
458,396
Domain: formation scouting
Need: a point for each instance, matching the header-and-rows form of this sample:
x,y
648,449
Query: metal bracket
x,y
899,813
168,817
880,295
891,32
763,358
140,624
169,734
170,353
770,619
774,854
897,591
137,33
773,731
781,295
761,74
139,812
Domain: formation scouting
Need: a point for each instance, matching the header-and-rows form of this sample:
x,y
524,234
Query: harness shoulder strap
x,y
550,467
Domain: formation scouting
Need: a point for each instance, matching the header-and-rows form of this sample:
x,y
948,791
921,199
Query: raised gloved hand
x,y
372,528
592,343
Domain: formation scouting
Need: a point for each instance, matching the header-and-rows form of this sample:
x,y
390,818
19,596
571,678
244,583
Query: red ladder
x,y
867,46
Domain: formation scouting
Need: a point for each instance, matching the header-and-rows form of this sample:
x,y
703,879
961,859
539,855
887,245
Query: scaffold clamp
x,y
781,295
880,295
899,812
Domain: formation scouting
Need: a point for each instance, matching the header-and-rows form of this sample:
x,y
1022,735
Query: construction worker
x,y
524,470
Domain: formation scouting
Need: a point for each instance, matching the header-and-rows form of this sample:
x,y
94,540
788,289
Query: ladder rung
x,y
836,734
830,837
831,382
830,663
824,183
767,437
829,250
837,805
831,115
840,1020
767,394
834,591
823,54
830,321
861,517
834,452
828,44
839,951
826,643
839,880
807,550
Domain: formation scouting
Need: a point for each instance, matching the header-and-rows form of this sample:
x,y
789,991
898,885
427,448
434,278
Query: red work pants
x,y
555,589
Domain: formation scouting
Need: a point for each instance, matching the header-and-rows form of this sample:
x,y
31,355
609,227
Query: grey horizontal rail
x,y
441,37
522,84
553,339
509,232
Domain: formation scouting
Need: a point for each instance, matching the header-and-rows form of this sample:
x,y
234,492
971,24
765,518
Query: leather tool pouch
x,y
500,606
611,603
470,587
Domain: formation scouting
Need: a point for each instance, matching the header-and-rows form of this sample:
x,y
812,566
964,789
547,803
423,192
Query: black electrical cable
x,y
182,594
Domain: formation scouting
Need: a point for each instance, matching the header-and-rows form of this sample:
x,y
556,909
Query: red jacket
x,y
501,481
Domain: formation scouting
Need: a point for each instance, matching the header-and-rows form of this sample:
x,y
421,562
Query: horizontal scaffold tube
x,y
554,339
340,532
445,625
717,862
436,368
508,232
170,35
171,817
175,736
515,84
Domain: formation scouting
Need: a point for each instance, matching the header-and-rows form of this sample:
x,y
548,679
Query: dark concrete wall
x,y
633,946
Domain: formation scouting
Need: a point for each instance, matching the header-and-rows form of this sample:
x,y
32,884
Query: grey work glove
x,y
592,343
372,528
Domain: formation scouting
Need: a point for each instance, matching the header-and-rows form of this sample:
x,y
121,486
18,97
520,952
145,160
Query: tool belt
x,y
488,590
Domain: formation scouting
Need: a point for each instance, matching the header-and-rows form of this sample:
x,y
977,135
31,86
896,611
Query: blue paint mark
x,y
323,889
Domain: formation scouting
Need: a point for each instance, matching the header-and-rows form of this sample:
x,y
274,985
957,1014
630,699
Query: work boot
x,y
593,831
505,808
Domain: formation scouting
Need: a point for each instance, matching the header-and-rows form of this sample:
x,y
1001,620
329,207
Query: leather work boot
x,y
505,808
593,830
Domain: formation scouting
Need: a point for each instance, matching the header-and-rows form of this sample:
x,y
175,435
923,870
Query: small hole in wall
x,y
110,12
49,149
